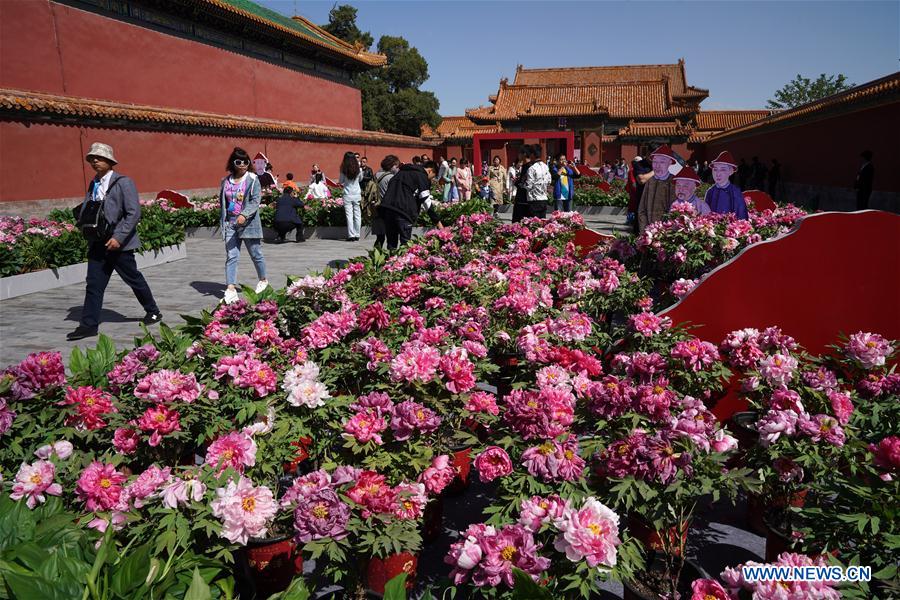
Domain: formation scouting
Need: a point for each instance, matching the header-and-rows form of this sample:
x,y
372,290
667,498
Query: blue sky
x,y
741,51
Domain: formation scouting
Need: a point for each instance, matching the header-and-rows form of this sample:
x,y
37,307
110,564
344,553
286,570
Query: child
x,y
485,191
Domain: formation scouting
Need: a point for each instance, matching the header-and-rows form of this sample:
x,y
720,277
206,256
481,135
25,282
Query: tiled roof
x,y
457,128
620,101
70,109
657,129
298,27
885,90
718,120
612,75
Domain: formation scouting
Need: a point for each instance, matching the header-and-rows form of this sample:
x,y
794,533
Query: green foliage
x,y
342,24
801,90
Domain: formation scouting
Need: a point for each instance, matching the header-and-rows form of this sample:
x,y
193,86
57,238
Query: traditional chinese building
x,y
615,111
173,86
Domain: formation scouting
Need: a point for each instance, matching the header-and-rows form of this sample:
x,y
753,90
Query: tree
x,y
342,24
391,98
802,90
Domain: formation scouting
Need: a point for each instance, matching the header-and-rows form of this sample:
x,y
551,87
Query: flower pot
x,y
777,541
461,460
433,520
381,570
759,507
651,539
642,587
743,424
271,564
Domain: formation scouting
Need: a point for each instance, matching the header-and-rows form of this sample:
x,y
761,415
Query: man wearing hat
x,y
724,196
659,191
107,253
686,183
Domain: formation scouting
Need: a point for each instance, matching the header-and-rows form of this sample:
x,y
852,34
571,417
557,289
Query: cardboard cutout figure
x,y
659,191
686,183
724,196
259,163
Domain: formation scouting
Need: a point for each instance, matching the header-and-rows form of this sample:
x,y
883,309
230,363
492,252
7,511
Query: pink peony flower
x,y
722,442
39,371
135,363
61,449
147,485
166,386
415,362
482,402
245,510
869,349
7,416
180,491
458,370
590,533
125,440
33,481
537,511
91,405
439,475
235,450
411,501
258,376
365,426
374,317
841,405
161,421
265,333
778,369
320,514
100,486
492,463
821,427
372,494
409,417
776,423
305,486
648,324
696,355
887,453
499,551
708,589
545,414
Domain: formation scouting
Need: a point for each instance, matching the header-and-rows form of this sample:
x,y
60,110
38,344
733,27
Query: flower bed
x,y
340,410
587,193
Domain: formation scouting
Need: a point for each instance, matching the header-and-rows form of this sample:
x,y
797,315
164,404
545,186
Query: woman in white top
x,y
317,189
351,174
511,175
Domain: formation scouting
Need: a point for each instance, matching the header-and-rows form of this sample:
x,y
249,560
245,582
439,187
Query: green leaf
x,y
526,589
132,571
395,589
198,590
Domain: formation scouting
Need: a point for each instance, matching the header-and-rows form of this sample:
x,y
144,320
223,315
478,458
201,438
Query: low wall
x,y
48,279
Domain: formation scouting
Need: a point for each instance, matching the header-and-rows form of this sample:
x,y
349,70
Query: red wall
x,y
49,159
826,152
49,47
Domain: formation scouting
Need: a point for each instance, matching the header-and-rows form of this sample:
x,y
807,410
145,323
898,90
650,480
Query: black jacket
x,y
286,209
407,192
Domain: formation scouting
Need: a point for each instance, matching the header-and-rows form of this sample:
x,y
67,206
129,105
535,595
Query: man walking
x,y
408,192
536,183
108,218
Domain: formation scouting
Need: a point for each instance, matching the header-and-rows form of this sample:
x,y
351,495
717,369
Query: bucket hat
x,y
103,151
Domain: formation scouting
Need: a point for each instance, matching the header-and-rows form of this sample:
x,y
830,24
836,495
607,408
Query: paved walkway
x,y
40,322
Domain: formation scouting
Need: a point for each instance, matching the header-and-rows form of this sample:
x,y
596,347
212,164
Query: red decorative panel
x,y
835,273
587,239
175,199
759,200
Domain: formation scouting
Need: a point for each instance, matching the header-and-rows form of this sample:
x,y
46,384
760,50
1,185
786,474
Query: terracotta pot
x,y
433,520
461,460
381,570
743,424
651,538
272,564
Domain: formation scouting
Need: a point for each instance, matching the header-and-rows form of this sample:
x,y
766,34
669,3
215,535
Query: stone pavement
x,y
40,322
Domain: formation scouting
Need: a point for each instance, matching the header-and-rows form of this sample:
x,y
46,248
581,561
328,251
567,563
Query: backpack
x,y
90,218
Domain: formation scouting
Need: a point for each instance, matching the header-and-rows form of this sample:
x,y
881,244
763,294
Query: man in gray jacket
x,y
122,210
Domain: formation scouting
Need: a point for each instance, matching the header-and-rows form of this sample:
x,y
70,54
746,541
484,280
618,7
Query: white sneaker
x,y
231,296
261,286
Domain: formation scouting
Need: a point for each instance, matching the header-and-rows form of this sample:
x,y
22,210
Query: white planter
x,y
48,279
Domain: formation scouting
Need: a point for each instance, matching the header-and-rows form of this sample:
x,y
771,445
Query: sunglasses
x,y
241,163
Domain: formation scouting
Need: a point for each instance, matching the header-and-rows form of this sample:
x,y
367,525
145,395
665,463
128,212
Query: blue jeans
x,y
354,216
564,204
233,253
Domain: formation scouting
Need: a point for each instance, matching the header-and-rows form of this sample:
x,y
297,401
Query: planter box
x,y
48,279
311,233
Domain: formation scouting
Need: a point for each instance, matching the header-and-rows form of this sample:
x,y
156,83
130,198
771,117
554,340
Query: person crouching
x,y
288,208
